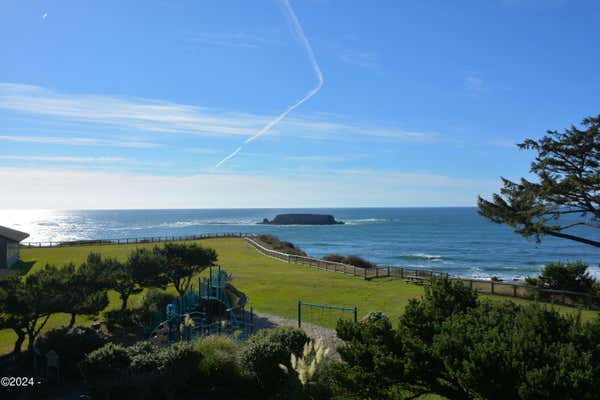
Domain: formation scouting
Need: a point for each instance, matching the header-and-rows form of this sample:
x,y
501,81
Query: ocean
x,y
453,240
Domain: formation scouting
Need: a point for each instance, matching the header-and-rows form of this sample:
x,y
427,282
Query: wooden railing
x,y
512,289
365,273
153,239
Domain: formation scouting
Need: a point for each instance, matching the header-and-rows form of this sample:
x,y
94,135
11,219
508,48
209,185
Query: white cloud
x,y
77,141
142,114
63,189
64,159
90,163
158,116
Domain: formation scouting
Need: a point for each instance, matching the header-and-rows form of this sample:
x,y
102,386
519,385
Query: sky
x,y
119,104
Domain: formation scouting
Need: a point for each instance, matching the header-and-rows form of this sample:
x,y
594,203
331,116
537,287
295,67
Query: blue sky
x,y
116,105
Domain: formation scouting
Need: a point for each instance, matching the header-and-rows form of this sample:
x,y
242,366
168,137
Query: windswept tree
x,y
13,309
27,303
85,290
143,268
183,261
566,193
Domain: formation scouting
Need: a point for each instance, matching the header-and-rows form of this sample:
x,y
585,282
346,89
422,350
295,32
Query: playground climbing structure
x,y
214,307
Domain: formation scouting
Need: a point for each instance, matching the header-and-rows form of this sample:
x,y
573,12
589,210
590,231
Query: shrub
x,y
71,345
179,366
335,258
560,276
152,308
359,262
274,243
220,360
140,371
350,260
263,352
121,321
310,374
106,369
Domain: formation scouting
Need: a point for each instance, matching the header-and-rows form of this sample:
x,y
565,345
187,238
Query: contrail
x,y
300,34
228,157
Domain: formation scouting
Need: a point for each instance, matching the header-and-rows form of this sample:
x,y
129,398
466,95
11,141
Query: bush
x,y
560,276
220,363
359,262
274,243
140,371
335,258
121,321
350,260
71,345
143,319
106,369
152,309
263,352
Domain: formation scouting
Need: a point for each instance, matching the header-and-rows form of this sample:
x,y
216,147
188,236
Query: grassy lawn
x,y
272,286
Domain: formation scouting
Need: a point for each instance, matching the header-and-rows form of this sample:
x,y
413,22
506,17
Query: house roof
x,y
12,234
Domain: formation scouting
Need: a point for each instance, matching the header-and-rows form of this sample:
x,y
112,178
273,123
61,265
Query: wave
x,y
185,224
364,221
422,256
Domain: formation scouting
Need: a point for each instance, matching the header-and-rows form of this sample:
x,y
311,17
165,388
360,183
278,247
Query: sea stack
x,y
302,219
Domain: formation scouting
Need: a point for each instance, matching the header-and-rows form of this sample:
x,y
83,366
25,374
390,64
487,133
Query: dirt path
x,y
263,321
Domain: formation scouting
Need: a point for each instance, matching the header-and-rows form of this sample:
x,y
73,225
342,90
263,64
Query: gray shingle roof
x,y
11,234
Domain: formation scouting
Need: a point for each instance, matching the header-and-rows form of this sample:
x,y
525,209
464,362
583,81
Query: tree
x,y
12,311
567,193
455,346
85,290
183,262
27,303
143,268
570,276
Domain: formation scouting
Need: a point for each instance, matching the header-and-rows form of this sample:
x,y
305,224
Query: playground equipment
x,y
324,314
216,307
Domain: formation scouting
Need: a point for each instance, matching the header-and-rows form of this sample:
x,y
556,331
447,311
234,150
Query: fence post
x,y
514,291
471,283
588,300
365,273
299,313
492,282
355,315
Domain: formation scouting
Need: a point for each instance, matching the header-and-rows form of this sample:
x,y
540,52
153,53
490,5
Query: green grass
x,y
272,286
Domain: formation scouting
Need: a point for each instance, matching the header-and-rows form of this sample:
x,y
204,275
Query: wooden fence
x,y
153,239
512,289
364,273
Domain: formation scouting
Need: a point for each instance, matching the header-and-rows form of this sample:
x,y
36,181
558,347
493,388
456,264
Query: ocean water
x,y
453,240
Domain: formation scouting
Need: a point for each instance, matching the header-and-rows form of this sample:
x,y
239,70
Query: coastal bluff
x,y
302,219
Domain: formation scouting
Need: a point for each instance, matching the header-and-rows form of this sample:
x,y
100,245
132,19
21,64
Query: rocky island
x,y
302,219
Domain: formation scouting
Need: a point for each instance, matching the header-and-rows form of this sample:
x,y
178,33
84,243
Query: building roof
x,y
12,234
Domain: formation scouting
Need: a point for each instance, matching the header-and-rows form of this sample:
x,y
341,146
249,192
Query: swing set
x,y
324,314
